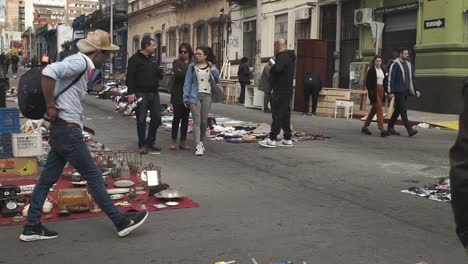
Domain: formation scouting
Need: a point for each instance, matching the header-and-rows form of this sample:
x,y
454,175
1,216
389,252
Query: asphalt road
x,y
328,202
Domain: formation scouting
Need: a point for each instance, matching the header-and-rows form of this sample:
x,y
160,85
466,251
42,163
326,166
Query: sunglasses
x,y
183,52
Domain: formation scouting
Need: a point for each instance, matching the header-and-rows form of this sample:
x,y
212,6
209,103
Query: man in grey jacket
x,y
66,138
265,86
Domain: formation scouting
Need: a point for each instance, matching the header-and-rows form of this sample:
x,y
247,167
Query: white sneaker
x,y
287,143
268,143
199,149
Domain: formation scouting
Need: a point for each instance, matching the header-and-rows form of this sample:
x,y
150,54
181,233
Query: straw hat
x,y
96,40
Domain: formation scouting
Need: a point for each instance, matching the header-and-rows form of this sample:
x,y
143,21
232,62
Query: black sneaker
x,y
366,131
384,133
412,132
131,222
37,232
392,132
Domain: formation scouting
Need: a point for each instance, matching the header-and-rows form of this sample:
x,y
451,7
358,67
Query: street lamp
x,y
111,33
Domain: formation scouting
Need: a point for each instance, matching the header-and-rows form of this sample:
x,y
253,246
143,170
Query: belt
x,y
60,123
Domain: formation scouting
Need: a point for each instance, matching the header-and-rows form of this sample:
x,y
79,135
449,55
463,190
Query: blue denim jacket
x,y
191,83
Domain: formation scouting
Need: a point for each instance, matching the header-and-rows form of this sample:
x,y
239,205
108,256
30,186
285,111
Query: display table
x,y
253,97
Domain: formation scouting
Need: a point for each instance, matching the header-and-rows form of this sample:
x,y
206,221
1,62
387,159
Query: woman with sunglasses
x,y
181,113
201,74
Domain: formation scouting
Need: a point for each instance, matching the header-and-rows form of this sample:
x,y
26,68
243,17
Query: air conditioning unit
x,y
363,16
303,13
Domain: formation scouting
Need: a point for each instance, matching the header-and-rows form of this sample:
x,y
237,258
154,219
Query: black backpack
x,y
31,99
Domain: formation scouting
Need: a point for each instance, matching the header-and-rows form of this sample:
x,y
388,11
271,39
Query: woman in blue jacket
x,y
201,74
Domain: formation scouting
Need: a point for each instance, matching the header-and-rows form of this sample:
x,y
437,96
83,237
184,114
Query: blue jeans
x,y
67,145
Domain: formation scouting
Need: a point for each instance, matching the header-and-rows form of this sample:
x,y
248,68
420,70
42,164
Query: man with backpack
x,y
64,85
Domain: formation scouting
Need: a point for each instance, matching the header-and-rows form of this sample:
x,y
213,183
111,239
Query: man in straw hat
x,y
66,140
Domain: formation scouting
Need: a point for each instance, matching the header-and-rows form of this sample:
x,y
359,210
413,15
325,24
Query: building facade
x,y
172,22
436,34
49,12
76,8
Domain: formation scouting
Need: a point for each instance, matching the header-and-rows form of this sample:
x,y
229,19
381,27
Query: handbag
x,y
217,94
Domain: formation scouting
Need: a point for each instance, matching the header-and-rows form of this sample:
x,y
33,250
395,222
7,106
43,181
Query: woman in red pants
x,y
376,82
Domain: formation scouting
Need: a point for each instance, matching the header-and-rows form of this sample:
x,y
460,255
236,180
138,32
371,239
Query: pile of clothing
x,y
434,191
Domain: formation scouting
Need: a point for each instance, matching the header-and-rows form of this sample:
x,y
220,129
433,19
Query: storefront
x,y
435,34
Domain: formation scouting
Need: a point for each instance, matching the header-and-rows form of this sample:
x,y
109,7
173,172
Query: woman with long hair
x,y
181,113
201,74
376,82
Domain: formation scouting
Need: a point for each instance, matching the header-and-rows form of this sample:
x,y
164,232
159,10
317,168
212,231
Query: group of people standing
x,y
194,75
9,59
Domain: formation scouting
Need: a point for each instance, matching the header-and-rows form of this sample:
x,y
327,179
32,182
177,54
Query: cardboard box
x,y
19,169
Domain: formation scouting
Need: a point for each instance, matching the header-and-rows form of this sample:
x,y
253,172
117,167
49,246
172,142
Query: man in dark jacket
x,y
282,77
14,63
459,174
312,87
143,75
243,75
401,85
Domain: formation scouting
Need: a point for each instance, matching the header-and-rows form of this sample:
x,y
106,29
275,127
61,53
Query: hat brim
x,y
86,47
111,47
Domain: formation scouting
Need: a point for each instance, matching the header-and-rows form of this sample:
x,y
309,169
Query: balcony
x,y
101,18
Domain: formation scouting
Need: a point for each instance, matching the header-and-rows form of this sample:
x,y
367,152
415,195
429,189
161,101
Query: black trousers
x,y
281,115
400,109
459,177
181,116
14,68
242,94
152,103
307,94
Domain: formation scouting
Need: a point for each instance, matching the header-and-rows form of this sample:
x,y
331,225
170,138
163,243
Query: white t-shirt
x,y
380,76
203,76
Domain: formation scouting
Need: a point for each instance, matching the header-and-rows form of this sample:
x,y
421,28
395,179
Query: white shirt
x,y
380,76
203,76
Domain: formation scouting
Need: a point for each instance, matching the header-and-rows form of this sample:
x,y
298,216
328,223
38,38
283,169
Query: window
x,y
249,40
215,38
171,43
185,35
302,30
202,35
136,44
281,27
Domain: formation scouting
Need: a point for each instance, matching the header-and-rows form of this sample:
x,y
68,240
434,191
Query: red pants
x,y
376,109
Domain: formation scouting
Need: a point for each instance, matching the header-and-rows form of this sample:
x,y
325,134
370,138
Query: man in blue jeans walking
x,y
66,138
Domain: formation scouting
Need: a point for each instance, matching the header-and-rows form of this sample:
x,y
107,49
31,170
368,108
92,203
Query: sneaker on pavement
x,y
268,143
37,232
199,149
412,132
287,143
131,222
304,114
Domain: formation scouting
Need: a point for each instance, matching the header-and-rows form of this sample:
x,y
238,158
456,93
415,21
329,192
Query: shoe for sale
x,y
199,149
37,232
132,221
412,132
287,143
268,143
392,132
366,131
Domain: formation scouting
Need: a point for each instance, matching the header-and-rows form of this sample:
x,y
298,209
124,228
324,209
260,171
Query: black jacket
x,y
282,72
244,73
371,83
143,74
312,82
459,175
179,67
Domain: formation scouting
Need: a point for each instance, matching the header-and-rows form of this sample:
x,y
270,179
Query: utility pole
x,y
111,33
336,75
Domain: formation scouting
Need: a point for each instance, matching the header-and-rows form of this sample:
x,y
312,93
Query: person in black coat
x,y
244,77
459,174
181,112
312,87
376,82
